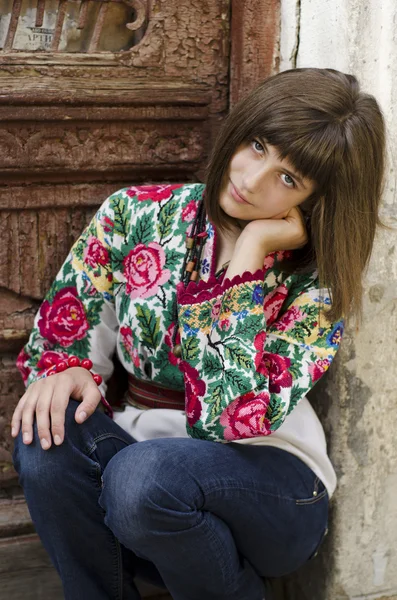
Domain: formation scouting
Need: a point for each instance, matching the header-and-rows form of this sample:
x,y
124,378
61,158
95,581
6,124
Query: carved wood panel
x,y
96,95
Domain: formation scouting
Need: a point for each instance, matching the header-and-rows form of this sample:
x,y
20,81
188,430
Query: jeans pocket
x,y
318,494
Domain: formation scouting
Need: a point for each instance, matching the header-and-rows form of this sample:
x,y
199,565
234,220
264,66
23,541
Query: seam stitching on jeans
x,y
250,491
312,500
100,438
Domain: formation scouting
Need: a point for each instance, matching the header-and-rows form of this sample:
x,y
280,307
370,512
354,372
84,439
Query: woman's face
x,y
258,185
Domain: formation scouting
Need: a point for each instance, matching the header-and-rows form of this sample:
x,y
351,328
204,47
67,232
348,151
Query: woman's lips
x,y
236,194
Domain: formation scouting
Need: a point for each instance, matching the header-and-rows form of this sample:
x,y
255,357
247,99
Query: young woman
x,y
216,473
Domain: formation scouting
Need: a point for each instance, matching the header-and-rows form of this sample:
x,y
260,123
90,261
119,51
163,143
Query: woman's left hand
x,y
261,237
283,232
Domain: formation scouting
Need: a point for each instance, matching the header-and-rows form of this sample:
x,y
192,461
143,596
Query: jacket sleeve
x,y
248,358
77,316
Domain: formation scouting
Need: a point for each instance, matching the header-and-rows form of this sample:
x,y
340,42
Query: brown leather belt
x,y
142,394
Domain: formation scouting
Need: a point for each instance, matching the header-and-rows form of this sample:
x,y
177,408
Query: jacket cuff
x,y
196,293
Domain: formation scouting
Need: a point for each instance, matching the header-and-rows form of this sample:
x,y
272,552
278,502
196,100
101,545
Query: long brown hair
x,y
333,134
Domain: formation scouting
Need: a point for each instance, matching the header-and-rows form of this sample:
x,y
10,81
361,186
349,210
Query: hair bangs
x,y
315,149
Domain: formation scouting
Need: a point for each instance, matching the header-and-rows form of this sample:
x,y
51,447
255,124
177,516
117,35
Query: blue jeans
x,y
204,519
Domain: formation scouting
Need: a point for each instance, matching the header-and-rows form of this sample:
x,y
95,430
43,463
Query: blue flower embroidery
x,y
335,336
205,266
326,300
190,331
210,231
257,294
241,315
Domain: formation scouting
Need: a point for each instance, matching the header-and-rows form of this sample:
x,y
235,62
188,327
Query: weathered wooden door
x,y
96,95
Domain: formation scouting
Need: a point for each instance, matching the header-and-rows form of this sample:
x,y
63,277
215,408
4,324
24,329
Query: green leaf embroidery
x,y
215,431
168,376
143,231
67,269
173,259
275,412
296,364
198,432
150,326
237,381
216,400
122,216
124,307
212,365
166,217
215,393
276,346
191,349
250,326
80,348
236,354
93,313
297,394
204,316
118,256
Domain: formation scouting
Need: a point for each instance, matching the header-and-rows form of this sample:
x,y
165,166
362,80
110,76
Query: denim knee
x,y
43,468
145,489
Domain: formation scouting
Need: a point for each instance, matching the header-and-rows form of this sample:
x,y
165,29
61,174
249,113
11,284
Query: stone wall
x,y
358,402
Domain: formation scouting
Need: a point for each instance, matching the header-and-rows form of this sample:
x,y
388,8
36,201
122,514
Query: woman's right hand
x,y
48,399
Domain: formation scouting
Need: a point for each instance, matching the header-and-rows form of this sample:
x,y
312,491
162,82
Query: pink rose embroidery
x,y
269,261
194,388
216,309
245,416
288,320
189,212
318,368
277,370
95,253
155,193
21,359
224,324
174,360
64,321
127,341
107,224
144,270
273,256
273,303
259,344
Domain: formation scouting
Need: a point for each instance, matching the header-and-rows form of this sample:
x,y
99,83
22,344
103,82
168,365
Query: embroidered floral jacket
x,y
252,347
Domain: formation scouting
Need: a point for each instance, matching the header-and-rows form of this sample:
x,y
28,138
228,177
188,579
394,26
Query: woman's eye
x,y
289,182
258,146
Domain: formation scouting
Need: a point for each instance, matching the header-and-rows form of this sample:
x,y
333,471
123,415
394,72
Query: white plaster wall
x,y
360,37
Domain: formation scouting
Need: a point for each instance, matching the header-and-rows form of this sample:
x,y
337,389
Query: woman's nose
x,y
255,177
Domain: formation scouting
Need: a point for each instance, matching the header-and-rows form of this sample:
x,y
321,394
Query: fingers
x,y
43,399
91,399
48,400
43,404
17,417
60,401
296,221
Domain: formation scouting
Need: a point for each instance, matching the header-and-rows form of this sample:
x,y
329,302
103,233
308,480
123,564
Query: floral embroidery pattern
x,y
95,254
64,320
144,270
153,193
252,346
245,417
